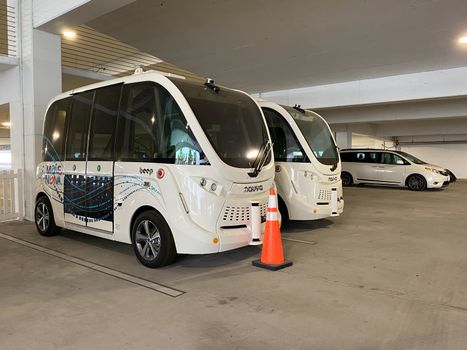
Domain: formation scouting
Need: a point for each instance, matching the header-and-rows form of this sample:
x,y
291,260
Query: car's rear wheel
x,y
152,240
347,179
416,182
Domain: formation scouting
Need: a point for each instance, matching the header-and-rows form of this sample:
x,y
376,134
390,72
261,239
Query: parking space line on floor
x,y
299,241
172,292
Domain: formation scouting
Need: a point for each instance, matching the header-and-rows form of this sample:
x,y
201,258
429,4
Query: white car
x,y
387,167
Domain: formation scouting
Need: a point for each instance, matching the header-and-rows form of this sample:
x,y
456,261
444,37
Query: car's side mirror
x,y
400,162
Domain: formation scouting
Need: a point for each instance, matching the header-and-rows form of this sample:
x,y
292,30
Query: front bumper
x,y
437,181
322,205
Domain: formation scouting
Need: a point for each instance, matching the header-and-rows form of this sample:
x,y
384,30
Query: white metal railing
x,y
11,195
8,28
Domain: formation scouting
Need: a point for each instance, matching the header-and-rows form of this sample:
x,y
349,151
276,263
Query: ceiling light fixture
x,y
462,40
69,34
6,124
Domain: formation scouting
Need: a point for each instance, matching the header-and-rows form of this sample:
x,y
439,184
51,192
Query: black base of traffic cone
x,y
273,267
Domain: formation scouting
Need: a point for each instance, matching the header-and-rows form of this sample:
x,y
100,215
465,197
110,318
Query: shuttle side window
x,y
104,121
53,144
152,128
78,126
285,144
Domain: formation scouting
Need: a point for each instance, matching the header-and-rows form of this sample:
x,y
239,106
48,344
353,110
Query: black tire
x,y
283,210
155,248
347,179
44,217
416,182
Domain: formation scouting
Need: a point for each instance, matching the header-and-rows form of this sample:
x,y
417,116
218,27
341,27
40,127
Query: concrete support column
x,y
344,139
40,79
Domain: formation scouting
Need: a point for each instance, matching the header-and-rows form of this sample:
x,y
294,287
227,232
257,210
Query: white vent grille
x,y
238,214
324,195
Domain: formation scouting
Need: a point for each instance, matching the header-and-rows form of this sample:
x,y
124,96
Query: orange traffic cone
x,y
272,255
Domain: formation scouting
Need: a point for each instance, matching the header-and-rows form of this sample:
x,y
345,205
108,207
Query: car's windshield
x,y
232,121
411,158
317,134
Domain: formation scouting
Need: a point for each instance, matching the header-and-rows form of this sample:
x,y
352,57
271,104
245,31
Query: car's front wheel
x,y
416,182
152,240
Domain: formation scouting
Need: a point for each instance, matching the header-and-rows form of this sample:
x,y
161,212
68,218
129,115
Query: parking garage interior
x,y
386,271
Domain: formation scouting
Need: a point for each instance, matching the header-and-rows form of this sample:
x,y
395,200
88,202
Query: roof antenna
x,y
299,108
210,84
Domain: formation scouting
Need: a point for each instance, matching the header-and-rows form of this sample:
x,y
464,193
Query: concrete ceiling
x,y
261,45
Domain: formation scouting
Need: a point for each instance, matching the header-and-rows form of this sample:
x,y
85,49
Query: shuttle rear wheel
x,y
152,239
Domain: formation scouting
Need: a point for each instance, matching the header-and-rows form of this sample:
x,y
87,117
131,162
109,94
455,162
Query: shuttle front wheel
x,y
152,240
44,217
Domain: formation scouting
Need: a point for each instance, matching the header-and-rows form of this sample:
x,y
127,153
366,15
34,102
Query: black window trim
x,y
65,127
91,120
306,158
117,157
85,158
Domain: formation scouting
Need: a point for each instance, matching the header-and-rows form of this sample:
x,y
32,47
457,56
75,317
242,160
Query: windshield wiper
x,y
261,157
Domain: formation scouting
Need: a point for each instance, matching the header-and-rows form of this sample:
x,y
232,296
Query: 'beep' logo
x,y
146,171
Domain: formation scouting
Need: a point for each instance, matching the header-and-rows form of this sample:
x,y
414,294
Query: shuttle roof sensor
x,y
138,70
210,84
299,108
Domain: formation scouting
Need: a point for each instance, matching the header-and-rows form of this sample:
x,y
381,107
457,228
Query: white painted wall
x,y
365,141
450,156
10,92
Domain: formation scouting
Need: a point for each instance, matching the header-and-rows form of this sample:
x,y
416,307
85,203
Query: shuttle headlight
x,y
210,186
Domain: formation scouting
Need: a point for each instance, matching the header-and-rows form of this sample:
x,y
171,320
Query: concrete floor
x,y
390,273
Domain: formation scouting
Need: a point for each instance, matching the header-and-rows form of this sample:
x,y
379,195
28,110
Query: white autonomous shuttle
x,y
307,163
165,164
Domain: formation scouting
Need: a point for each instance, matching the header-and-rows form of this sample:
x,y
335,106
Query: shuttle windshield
x,y
317,135
231,120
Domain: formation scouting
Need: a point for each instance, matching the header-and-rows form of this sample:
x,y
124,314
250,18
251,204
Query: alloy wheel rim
x,y
148,240
415,183
42,217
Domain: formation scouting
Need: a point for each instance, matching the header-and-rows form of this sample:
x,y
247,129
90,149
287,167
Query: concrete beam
x,y
8,62
406,87
412,110
54,16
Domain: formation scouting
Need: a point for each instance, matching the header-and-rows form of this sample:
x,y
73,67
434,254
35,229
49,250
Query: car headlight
x,y
433,170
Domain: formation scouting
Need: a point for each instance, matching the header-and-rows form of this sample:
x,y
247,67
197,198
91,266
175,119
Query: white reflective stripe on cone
x,y
272,216
272,202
